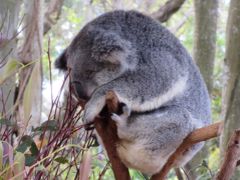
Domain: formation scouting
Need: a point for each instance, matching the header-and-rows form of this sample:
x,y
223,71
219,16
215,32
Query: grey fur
x,y
152,73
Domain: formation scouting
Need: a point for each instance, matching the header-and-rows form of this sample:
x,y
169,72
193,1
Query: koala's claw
x,y
87,118
88,126
93,108
116,117
122,119
126,111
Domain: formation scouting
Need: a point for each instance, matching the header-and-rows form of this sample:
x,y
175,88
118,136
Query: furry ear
x,y
110,47
61,61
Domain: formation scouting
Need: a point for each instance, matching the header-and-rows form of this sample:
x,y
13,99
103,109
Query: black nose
x,y
80,90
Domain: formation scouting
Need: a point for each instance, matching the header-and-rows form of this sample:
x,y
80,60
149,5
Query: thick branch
x,y
178,174
167,10
52,14
196,136
107,130
231,157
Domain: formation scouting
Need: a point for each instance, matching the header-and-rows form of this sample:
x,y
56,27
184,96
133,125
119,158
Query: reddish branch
x,y
231,158
107,130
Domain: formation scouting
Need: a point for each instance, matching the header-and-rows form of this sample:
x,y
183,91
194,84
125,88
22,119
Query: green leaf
x,y
33,149
9,69
30,160
61,160
51,125
25,143
7,122
19,164
32,93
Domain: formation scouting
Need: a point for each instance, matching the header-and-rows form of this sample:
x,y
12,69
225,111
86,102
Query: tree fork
x,y
107,130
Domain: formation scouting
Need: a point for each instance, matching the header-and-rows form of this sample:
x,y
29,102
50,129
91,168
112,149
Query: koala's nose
x,y
79,89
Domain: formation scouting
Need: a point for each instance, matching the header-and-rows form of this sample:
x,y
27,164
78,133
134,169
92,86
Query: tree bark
x,y
9,13
167,10
231,91
30,78
52,14
107,130
206,13
231,158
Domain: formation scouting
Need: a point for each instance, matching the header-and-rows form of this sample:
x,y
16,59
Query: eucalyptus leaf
x,y
61,160
25,143
7,122
8,70
47,126
32,94
33,149
19,164
30,160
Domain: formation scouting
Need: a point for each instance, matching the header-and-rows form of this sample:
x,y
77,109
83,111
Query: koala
x,y
152,74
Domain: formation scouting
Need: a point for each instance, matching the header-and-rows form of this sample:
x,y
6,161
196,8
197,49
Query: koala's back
x,y
152,41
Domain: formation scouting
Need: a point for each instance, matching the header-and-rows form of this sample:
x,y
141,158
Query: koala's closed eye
x,y
89,73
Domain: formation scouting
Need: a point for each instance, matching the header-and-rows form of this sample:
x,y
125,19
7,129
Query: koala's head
x,y
95,57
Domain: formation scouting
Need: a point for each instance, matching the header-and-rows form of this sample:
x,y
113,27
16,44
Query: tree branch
x,y
167,10
231,159
178,174
52,14
196,136
107,130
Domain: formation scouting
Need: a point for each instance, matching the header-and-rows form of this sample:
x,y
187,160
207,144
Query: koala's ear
x,y
61,61
110,47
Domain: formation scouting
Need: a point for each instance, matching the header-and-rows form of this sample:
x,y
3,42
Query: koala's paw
x,y
122,119
92,109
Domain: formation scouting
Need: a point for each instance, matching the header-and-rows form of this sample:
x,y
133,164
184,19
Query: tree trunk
x,y
30,78
9,13
52,15
231,91
206,13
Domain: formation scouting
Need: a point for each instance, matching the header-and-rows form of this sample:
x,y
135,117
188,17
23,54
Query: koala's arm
x,y
141,90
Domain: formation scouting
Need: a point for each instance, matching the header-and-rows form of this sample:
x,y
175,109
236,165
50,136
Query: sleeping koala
x,y
152,74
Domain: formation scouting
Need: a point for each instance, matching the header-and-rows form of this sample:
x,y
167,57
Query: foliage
x,y
48,150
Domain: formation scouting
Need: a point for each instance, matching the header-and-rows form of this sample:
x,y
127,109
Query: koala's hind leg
x,y
155,135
